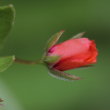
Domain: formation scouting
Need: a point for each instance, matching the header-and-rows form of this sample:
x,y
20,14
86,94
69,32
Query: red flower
x,y
74,53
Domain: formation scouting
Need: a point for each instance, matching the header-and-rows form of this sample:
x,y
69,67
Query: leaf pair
x,y
7,15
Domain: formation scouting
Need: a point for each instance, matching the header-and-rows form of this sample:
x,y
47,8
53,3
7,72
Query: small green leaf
x,y
78,35
61,75
5,62
53,40
51,59
7,15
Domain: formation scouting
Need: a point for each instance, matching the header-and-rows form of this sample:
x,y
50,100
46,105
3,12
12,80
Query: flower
x,y
74,53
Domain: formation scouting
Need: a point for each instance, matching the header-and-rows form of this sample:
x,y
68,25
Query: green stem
x,y
21,61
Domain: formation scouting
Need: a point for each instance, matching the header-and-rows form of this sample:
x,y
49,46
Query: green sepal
x,y
61,75
78,35
7,15
6,62
51,59
53,40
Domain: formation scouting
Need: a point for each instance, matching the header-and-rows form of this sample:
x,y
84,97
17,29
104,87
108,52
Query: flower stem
x,y
21,61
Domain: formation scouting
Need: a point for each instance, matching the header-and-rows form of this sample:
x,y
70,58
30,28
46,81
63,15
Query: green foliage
x,y
7,14
5,62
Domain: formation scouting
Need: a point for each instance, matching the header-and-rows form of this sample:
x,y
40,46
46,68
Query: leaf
x,y
6,62
7,15
51,59
53,40
61,75
78,35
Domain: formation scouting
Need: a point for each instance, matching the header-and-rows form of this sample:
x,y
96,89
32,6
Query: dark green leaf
x,y
5,62
7,15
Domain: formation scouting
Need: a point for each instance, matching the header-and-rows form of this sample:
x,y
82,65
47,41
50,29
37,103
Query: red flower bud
x,y
74,53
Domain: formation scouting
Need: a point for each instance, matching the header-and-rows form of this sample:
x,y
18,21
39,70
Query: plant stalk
x,y
21,61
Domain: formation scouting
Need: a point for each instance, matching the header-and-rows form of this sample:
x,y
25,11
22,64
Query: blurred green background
x,y
26,87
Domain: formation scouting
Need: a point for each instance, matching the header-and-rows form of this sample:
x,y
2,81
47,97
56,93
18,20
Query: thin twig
x,y
26,61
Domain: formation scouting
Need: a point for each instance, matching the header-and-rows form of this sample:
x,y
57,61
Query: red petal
x,y
74,53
